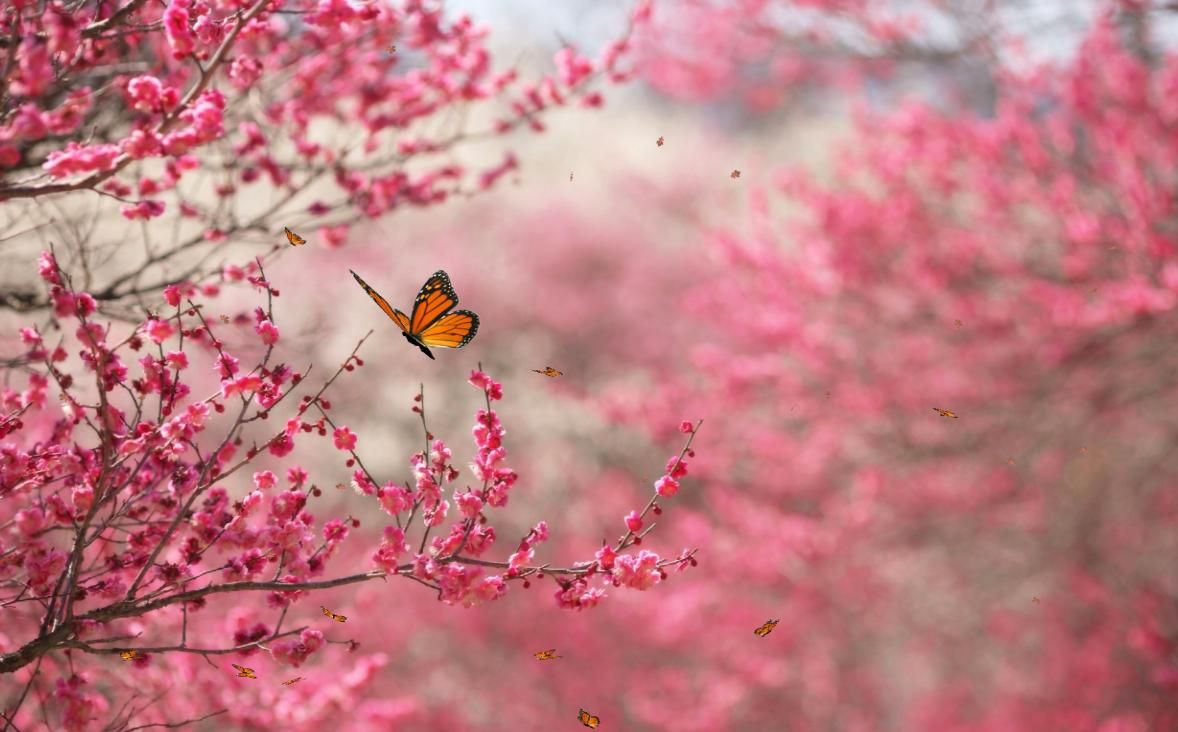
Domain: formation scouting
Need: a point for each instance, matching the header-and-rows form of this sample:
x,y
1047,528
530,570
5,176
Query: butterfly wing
x,y
436,298
340,618
395,315
453,330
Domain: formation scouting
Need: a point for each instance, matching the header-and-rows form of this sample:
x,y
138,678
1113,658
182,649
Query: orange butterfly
x,y
945,413
588,719
546,655
243,672
433,323
294,239
659,141
735,174
129,655
549,372
767,628
295,680
958,323
333,616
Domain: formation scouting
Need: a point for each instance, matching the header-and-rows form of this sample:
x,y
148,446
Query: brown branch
x,y
177,725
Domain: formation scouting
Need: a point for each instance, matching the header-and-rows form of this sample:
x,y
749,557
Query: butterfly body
x,y
294,239
434,322
244,672
589,720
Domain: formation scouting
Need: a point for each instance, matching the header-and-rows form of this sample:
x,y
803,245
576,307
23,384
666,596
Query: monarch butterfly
x,y
433,323
294,239
735,174
295,680
243,672
945,413
766,628
588,719
549,372
333,616
546,655
129,655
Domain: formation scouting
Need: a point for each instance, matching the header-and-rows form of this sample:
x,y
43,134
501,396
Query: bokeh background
x,y
961,205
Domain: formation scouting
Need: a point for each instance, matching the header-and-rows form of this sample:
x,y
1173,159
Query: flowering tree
x,y
145,498
1005,569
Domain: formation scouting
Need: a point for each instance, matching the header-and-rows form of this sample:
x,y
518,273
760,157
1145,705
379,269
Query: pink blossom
x,y
391,548
296,476
244,71
177,30
159,330
34,72
343,439
520,559
29,123
264,479
573,69
633,522
579,596
395,499
282,446
606,557
243,385
81,159
143,210
295,652
637,571
268,331
469,504
177,360
666,486
29,521
47,268
676,468
145,93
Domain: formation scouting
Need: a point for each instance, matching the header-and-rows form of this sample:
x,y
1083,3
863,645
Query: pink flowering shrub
x,y
1007,570
147,102
159,516
136,540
